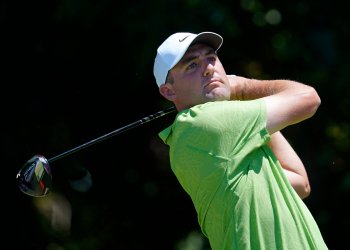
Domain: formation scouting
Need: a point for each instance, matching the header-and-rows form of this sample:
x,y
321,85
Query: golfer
x,y
227,151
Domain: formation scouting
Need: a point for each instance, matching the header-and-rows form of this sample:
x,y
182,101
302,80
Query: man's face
x,y
198,77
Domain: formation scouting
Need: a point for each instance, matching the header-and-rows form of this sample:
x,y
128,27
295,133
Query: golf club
x,y
35,176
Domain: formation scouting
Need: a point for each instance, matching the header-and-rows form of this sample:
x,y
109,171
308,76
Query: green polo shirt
x,y
219,154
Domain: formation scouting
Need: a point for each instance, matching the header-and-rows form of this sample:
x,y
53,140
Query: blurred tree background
x,y
73,70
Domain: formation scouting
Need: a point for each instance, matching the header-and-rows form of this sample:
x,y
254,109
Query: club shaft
x,y
114,132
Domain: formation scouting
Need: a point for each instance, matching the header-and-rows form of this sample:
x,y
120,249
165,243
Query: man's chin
x,y
217,97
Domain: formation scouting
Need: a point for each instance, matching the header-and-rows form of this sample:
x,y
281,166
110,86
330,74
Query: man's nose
x,y
209,70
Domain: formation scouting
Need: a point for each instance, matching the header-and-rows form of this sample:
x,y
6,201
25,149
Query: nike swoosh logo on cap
x,y
181,40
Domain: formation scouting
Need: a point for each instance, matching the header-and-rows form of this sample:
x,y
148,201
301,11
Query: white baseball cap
x,y
170,52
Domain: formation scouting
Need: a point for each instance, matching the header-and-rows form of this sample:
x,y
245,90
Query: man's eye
x,y
192,66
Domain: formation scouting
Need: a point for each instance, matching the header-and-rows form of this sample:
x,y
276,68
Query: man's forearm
x,y
249,89
291,163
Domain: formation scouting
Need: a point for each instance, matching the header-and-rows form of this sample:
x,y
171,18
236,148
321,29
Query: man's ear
x,y
167,91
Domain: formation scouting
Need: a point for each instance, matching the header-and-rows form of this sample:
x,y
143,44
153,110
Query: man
x,y
226,149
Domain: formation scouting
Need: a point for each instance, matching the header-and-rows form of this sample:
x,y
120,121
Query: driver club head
x,y
35,177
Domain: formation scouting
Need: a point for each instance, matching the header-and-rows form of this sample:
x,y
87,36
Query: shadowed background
x,y
75,70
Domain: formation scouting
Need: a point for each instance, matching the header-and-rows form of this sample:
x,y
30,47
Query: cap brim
x,y
212,39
